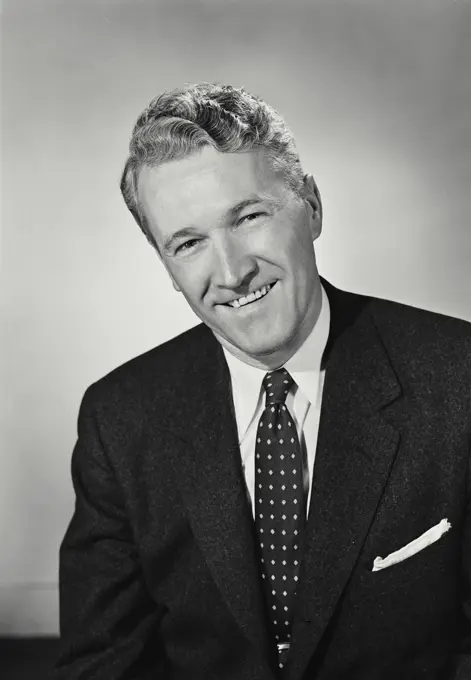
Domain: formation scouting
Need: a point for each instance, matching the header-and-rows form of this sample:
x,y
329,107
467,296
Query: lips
x,y
250,297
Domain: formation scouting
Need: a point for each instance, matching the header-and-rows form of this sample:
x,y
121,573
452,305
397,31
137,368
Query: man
x,y
284,490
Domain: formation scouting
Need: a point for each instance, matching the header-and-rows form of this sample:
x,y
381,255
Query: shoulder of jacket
x,y
164,364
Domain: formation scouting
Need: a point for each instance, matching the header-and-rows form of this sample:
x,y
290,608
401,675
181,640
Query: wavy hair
x,y
231,120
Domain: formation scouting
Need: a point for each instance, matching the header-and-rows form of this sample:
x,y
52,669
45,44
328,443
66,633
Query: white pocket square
x,y
413,547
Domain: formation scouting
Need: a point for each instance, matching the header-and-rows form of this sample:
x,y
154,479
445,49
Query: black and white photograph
x,y
235,265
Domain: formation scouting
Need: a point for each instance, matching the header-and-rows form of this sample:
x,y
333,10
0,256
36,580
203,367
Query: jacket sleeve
x,y
109,624
462,659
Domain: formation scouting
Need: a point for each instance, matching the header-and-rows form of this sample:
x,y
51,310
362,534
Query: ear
x,y
311,196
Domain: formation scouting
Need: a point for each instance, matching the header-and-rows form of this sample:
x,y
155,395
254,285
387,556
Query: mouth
x,y
255,295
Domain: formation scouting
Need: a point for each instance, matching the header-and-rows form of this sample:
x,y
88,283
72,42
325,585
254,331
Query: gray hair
x,y
231,120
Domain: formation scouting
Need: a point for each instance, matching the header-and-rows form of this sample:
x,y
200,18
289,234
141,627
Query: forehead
x,y
205,185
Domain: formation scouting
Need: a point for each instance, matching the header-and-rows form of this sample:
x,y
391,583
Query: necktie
x,y
279,506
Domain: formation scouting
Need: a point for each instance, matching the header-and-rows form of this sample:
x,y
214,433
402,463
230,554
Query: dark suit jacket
x,y
158,568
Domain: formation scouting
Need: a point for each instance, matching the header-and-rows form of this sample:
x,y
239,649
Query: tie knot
x,y
277,384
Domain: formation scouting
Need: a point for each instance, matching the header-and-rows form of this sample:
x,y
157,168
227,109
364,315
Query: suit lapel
x,y
357,444
211,479
356,447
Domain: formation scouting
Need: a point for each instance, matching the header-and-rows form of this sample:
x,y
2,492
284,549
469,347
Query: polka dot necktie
x,y
279,506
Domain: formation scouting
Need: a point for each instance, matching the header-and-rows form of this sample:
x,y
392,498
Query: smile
x,y
251,297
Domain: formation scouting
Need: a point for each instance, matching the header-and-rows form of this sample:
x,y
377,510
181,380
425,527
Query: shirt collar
x,y
304,366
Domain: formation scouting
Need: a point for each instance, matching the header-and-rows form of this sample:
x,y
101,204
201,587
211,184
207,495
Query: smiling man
x,y
284,490
238,243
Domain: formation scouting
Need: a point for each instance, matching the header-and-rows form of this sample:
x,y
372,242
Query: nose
x,y
233,264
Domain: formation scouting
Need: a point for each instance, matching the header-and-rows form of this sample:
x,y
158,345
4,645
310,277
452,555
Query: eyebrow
x,y
231,213
252,201
181,233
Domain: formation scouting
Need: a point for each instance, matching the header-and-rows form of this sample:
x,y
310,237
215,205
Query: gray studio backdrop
x,y
378,94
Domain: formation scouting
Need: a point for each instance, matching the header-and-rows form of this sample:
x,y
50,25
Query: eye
x,y
252,216
187,245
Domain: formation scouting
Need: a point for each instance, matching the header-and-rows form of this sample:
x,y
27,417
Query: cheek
x,y
189,278
299,251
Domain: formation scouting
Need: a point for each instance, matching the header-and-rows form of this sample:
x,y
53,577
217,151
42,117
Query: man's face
x,y
239,246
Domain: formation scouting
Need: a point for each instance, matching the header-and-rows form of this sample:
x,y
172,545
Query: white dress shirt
x,y
303,401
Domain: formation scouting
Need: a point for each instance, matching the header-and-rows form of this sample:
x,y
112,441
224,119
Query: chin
x,y
266,350
258,348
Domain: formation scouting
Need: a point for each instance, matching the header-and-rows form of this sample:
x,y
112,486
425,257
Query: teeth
x,y
251,297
